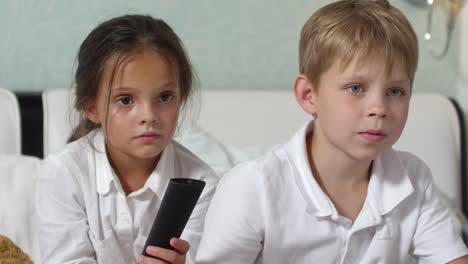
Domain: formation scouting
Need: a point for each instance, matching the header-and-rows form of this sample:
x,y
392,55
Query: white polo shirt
x,y
272,210
85,216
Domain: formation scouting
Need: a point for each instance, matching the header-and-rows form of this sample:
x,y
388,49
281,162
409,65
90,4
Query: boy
x,y
337,192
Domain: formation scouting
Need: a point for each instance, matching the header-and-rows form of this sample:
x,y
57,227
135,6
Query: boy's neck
x,y
336,168
344,180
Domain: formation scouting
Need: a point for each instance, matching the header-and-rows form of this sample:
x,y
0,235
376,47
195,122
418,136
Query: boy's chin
x,y
367,154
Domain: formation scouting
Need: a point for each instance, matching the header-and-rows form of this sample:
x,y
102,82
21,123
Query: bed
x,y
229,127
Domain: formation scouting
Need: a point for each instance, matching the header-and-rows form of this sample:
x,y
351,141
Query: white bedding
x,y
234,126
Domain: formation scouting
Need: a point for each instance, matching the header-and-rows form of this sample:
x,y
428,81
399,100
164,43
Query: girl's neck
x,y
131,171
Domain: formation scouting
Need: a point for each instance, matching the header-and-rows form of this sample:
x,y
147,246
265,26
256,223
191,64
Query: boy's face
x,y
360,111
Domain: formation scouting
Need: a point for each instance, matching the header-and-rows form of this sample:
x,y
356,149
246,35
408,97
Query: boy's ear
x,y
305,94
90,111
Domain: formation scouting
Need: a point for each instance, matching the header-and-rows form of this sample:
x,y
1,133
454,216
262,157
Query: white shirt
x,y
272,210
85,216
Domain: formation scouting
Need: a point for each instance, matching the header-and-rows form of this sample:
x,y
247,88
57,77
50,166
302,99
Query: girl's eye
x,y
124,100
355,89
166,98
395,92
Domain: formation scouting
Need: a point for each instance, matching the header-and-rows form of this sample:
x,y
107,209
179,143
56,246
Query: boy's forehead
x,y
362,63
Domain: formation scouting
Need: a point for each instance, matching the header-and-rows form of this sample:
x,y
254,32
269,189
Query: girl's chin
x,y
147,154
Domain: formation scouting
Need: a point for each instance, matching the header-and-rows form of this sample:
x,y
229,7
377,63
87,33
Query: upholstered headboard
x,y
10,125
246,118
433,130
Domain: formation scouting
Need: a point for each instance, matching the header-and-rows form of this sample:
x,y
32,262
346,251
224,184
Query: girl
x,y
98,198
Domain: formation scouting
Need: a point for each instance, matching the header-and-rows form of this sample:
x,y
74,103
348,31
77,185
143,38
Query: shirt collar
x,y
317,201
104,172
105,175
389,183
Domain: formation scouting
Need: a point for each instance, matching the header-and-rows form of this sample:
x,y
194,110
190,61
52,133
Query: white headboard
x,y
246,118
10,125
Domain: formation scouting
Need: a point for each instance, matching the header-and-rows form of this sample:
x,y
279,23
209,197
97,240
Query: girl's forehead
x,y
118,65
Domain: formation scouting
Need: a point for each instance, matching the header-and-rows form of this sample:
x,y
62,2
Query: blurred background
x,y
232,44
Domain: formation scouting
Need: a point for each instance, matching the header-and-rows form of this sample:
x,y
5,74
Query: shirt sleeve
x,y
194,228
63,227
435,239
233,226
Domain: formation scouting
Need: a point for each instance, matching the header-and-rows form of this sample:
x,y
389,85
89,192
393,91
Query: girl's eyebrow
x,y
122,89
168,84
130,88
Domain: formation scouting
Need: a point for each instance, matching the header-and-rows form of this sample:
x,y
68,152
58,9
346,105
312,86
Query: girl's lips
x,y
373,136
148,137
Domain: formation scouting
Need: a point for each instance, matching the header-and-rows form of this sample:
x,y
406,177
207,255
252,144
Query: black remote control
x,y
177,205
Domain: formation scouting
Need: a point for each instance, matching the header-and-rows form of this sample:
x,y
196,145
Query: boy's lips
x,y
373,135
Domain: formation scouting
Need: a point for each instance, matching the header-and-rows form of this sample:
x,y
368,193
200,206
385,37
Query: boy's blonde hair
x,y
356,29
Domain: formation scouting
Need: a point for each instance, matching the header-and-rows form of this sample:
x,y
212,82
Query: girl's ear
x,y
90,111
305,94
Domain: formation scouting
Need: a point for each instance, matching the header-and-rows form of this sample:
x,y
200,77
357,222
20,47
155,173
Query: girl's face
x,y
143,106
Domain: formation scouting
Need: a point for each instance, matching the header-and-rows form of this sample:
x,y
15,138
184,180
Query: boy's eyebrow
x,y
365,77
401,82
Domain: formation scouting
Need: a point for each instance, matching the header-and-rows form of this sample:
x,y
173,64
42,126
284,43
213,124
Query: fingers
x,y
176,256
180,245
149,260
169,256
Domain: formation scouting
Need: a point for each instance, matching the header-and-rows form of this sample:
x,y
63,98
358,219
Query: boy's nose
x,y
377,107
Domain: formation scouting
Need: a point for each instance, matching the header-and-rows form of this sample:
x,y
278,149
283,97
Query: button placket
x,y
349,250
124,222
344,225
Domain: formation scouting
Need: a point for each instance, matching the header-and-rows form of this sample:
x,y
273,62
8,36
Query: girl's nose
x,y
148,114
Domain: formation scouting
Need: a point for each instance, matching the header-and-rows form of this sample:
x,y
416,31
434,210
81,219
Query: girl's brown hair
x,y
118,38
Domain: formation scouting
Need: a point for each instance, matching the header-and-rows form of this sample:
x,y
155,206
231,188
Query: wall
x,y
233,44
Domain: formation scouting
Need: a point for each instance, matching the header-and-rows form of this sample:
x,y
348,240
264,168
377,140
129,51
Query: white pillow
x,y
17,219
206,147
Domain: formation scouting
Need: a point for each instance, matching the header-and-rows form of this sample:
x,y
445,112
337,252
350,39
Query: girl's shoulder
x,y
74,148
72,157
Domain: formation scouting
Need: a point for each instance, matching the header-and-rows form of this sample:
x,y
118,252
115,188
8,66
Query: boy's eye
x,y
165,98
395,92
124,100
355,88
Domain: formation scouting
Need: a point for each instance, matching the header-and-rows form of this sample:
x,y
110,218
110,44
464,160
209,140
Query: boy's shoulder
x,y
407,159
270,168
277,167
415,168
410,160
